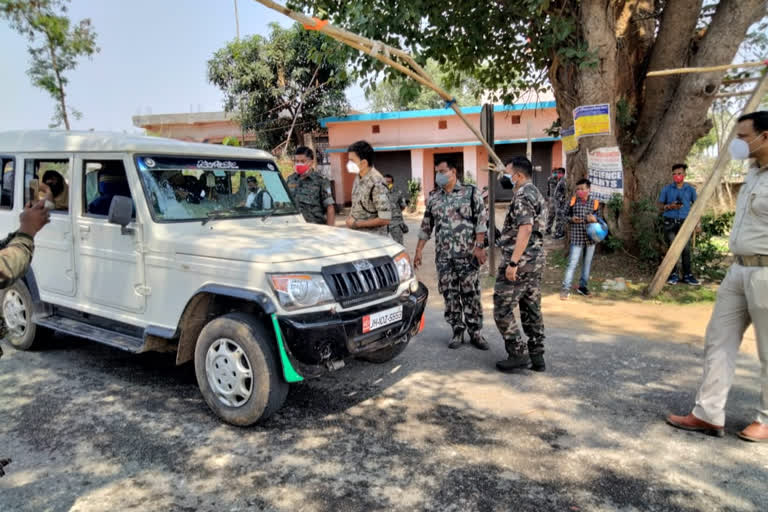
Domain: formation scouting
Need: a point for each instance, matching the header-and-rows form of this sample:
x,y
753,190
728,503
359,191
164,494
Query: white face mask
x,y
353,168
740,148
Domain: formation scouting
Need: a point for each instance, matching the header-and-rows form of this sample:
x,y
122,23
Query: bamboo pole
x,y
708,69
686,230
384,53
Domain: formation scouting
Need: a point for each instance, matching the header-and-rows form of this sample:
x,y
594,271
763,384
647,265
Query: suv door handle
x,y
84,230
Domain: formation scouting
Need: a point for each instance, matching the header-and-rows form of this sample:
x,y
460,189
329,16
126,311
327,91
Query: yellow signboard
x,y
592,120
570,144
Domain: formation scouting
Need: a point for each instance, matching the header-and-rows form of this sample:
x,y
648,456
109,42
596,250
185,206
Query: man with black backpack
x,y
457,214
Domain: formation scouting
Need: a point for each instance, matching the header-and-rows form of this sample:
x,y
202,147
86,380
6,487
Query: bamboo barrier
x,y
708,69
386,54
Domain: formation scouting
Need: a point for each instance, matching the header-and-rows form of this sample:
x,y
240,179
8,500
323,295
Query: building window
x,y
442,125
376,129
515,119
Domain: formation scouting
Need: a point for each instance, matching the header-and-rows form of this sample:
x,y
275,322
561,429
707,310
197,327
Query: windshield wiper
x,y
272,212
219,214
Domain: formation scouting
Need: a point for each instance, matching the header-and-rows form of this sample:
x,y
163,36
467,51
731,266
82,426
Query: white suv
x,y
156,244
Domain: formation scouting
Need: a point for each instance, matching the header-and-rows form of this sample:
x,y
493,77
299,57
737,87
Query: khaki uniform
x,y
742,299
370,200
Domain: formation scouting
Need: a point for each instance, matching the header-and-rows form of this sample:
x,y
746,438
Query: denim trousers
x,y
573,261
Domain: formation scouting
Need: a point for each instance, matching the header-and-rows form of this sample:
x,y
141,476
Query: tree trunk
x,y
662,117
59,84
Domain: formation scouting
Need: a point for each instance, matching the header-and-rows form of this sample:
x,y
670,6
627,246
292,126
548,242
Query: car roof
x,y
61,141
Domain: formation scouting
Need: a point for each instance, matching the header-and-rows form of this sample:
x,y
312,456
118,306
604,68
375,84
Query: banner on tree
x,y
606,173
568,135
589,120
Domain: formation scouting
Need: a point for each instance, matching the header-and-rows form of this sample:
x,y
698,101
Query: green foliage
x,y
401,93
414,189
55,46
648,230
708,255
269,81
231,141
469,178
615,204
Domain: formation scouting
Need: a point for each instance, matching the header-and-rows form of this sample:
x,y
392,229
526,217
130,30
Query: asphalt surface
x,y
92,428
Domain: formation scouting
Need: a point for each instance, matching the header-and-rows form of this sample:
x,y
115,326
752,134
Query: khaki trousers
x,y
742,299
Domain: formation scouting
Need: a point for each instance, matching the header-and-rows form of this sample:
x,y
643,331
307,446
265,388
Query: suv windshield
x,y
199,188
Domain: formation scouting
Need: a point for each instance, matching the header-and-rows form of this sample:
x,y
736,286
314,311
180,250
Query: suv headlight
x,y
403,264
296,291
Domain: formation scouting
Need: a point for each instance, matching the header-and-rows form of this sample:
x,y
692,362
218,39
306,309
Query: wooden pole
x,y
384,53
709,69
686,230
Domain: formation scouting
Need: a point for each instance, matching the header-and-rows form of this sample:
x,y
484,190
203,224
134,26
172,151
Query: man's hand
x,y
577,220
33,218
351,222
511,273
591,218
673,206
417,259
480,254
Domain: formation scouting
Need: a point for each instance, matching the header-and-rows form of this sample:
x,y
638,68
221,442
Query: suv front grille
x,y
353,283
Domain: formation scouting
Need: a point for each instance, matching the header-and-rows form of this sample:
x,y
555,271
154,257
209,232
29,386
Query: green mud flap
x,y
289,372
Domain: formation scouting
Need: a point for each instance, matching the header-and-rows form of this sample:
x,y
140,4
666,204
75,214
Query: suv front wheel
x,y
237,369
21,332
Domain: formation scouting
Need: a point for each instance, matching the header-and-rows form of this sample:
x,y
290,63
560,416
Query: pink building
x,y
407,143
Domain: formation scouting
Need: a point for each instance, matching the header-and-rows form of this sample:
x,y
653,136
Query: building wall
x,y
213,132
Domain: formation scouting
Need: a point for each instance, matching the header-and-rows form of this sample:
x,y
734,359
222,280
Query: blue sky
x,y
152,60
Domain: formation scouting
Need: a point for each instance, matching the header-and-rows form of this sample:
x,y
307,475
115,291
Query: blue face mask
x,y
441,180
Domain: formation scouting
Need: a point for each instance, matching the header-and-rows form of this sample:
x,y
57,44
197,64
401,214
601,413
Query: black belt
x,y
756,260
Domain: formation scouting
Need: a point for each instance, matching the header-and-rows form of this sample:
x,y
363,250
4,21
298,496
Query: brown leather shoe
x,y
694,424
756,432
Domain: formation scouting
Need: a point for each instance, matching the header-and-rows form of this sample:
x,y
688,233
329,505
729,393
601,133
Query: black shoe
x,y
457,340
512,364
478,341
583,290
537,363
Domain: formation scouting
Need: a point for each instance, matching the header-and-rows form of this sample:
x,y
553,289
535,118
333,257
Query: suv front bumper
x,y
314,341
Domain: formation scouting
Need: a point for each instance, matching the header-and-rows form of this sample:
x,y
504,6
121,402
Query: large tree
x,y
588,52
281,85
55,47
401,93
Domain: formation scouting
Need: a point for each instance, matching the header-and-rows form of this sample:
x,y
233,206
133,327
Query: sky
x,y
152,61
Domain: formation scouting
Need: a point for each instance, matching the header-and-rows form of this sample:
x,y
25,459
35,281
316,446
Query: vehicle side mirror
x,y
121,213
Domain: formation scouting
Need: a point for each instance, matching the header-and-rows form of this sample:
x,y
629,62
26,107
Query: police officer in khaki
x,y
371,210
743,295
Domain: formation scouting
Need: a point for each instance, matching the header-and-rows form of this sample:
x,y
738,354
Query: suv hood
x,y
278,243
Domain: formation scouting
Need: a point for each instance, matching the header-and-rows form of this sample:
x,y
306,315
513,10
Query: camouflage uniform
x,y
398,202
15,257
527,207
370,200
312,194
561,208
551,210
456,219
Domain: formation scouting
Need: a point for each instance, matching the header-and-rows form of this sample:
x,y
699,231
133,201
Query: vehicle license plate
x,y
382,318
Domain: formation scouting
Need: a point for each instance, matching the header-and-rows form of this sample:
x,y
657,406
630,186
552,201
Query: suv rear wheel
x,y
237,369
22,333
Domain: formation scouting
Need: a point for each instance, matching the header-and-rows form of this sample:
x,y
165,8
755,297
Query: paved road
x,y
92,428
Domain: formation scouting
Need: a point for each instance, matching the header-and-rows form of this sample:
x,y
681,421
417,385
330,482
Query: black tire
x,y
268,390
385,355
28,336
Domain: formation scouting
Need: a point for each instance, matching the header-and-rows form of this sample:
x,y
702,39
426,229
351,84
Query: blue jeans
x,y
573,262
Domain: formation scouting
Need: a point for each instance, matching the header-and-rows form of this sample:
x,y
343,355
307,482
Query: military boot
x,y
513,364
537,363
478,341
458,338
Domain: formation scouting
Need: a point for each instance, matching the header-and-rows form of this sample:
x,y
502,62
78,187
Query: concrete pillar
x,y
418,165
471,161
337,176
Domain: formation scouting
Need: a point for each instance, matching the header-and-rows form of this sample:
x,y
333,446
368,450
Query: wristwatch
x,y
513,264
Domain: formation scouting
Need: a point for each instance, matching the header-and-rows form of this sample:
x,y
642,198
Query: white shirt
x,y
266,200
750,225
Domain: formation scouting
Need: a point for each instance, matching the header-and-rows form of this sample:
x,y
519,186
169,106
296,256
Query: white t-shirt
x,y
266,200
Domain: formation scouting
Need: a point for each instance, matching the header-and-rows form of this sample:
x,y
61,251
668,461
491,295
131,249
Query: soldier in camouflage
x,y
310,190
457,214
552,182
518,281
397,227
16,250
561,208
371,210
